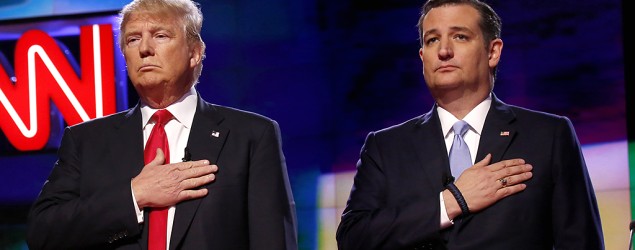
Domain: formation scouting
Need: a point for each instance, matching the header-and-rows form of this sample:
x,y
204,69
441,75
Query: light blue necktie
x,y
460,158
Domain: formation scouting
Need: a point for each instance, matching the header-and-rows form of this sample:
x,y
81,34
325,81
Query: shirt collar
x,y
182,110
475,118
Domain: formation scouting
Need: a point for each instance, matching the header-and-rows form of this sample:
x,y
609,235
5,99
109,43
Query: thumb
x,y
159,159
485,161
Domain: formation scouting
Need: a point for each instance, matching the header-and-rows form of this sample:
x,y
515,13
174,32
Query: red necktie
x,y
158,216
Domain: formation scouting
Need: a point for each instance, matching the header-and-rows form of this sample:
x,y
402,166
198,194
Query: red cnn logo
x,y
43,75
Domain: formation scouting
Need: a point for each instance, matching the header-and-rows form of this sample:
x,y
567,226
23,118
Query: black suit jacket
x,y
394,202
86,203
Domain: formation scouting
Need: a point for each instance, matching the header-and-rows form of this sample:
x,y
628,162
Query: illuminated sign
x,y
44,74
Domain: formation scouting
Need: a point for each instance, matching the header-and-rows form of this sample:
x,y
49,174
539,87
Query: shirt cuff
x,y
445,220
136,207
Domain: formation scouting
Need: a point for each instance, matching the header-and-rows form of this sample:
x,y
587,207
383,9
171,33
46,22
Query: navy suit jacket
x,y
394,202
86,203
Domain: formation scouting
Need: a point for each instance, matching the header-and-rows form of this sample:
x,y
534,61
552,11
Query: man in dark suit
x,y
225,185
528,188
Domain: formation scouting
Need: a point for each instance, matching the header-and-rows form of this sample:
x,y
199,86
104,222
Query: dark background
x,y
331,71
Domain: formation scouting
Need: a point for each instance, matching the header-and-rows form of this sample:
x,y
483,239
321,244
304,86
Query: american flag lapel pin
x,y
504,133
215,133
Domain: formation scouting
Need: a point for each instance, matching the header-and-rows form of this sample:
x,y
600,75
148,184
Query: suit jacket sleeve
x,y
66,217
372,219
272,219
576,220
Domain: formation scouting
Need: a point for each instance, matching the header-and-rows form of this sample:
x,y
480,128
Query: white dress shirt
x,y
476,119
177,131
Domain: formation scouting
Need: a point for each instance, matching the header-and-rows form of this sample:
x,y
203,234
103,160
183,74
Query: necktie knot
x,y
161,117
460,128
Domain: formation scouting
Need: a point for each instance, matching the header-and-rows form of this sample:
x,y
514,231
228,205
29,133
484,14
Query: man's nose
x,y
146,47
445,50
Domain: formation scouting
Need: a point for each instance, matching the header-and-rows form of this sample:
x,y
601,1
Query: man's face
x,y
158,56
454,55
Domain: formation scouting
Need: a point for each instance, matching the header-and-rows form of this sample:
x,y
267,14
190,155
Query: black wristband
x,y
465,210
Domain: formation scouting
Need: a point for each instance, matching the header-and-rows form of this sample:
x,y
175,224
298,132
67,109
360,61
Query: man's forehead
x,y
152,19
450,17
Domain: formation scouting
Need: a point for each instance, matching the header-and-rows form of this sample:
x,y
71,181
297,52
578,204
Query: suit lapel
x,y
131,149
498,131
205,141
428,145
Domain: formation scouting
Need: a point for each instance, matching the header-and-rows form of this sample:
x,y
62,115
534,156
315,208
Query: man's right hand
x,y
482,185
161,185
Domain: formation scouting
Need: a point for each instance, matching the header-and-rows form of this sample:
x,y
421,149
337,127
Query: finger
x,y
192,194
514,170
504,182
515,179
191,164
196,182
199,171
509,190
506,163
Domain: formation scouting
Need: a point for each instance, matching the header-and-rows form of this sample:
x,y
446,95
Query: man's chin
x,y
446,84
148,82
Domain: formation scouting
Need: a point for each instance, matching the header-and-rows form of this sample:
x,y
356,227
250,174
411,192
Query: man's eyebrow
x,y
152,27
461,28
452,29
431,31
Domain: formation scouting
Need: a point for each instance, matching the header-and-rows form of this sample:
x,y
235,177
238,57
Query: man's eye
x,y
161,36
431,40
132,41
461,37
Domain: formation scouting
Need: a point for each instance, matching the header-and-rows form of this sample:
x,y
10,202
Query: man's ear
x,y
196,55
495,50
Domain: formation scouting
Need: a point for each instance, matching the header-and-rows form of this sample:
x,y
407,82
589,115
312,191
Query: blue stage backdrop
x,y
331,71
